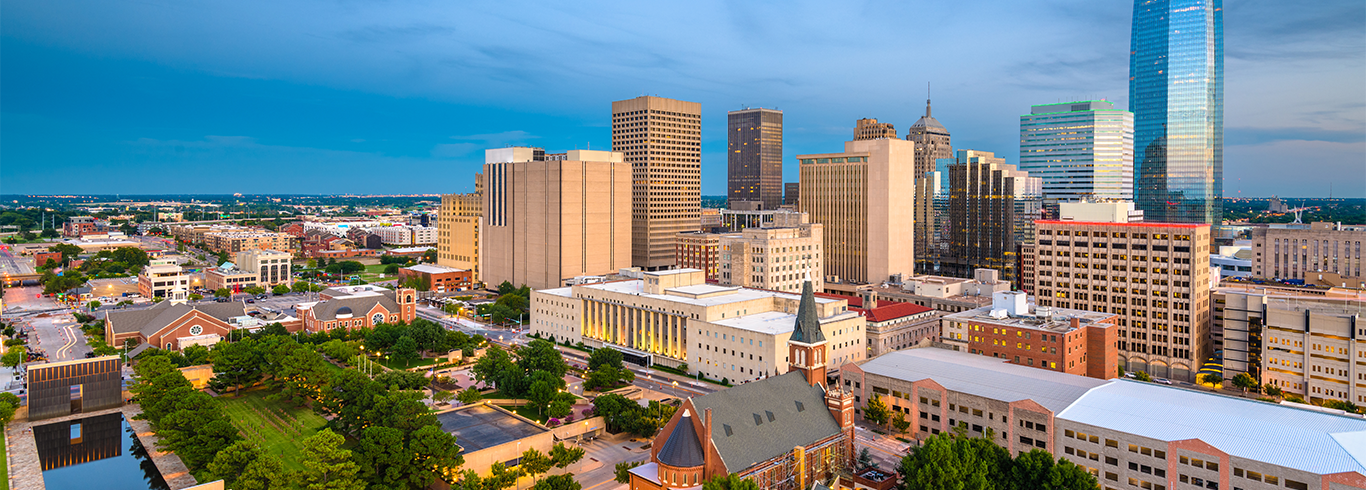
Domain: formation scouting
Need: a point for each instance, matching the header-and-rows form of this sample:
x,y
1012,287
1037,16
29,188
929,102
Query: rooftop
x,y
433,269
760,420
1307,440
1052,319
983,376
1135,225
482,427
892,310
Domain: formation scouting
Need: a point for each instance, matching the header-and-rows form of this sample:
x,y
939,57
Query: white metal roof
x,y
983,376
1306,440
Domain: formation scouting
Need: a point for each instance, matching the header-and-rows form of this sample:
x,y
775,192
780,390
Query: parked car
x,y
1164,381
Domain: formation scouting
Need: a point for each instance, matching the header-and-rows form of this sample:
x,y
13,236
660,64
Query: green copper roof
x,y
808,328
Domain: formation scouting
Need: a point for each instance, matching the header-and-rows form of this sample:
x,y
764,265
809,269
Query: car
x,y
1130,375
260,296
251,301
1164,381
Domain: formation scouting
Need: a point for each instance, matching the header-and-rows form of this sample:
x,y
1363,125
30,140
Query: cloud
x,y
1240,136
476,142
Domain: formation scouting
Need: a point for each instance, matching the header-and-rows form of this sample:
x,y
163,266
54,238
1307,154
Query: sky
x,y
326,97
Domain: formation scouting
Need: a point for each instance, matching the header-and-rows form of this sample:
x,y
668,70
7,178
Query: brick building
x,y
1077,342
440,279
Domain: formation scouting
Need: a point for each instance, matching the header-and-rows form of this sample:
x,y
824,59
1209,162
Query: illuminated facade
x,y
1176,92
1081,150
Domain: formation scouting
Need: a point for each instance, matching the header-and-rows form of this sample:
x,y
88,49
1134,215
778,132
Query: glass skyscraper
x,y
1081,150
755,157
1176,92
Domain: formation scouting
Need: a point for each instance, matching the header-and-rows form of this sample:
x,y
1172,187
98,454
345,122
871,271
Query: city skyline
x,y
138,106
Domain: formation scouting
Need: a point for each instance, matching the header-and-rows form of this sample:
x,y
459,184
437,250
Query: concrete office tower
x,y
931,142
792,193
870,129
932,217
1081,150
865,198
1318,253
457,226
662,140
992,208
1176,91
553,217
778,257
1155,276
755,157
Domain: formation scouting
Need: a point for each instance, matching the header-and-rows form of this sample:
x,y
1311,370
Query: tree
x,y
9,403
544,387
469,395
542,356
1143,376
900,423
94,305
534,463
1269,389
265,473
67,250
562,456
232,461
1212,378
623,470
381,456
1246,382
254,290
49,233
196,296
222,293
402,380
876,411
496,367
442,396
405,349
236,364
280,289
951,461
729,482
865,460
195,428
558,482
391,269
12,358
327,466
503,289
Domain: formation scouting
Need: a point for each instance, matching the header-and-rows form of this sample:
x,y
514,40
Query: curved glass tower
x,y
1176,92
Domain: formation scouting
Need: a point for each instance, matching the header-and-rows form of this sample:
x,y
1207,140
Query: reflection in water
x,y
100,449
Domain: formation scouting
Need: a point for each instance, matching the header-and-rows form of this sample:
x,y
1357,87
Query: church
x,y
786,432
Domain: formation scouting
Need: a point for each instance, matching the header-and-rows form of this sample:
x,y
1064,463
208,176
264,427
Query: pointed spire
x,y
808,327
927,99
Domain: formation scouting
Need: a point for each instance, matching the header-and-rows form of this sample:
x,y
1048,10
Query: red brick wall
x,y
1102,351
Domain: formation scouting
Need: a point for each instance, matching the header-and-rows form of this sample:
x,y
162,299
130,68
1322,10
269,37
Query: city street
x,y
54,331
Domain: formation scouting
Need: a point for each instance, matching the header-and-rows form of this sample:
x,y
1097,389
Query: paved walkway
x,y
26,470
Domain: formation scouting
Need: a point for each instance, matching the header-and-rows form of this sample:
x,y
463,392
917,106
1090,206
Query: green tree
x,y
12,358
900,423
405,349
1143,376
67,250
953,462
534,463
236,364
232,461
503,289
265,473
391,269
542,356
558,482
876,411
496,368
9,403
382,457
865,460
222,293
196,429
94,305
469,395
1269,389
402,380
605,356
544,387
327,466
1246,382
1212,378
623,470
562,456
280,289
196,296
729,482
442,396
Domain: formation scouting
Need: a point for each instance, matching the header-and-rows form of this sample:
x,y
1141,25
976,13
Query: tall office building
x,y
870,129
551,217
457,230
931,142
1081,150
992,208
865,198
1176,91
662,140
932,225
1155,276
755,157
792,193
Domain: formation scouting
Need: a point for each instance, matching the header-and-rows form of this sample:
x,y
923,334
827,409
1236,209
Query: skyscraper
x,y
870,129
662,140
931,142
865,198
755,156
1176,91
992,208
1081,150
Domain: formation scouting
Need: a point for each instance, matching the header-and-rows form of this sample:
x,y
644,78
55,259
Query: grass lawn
x,y
529,412
253,414
394,364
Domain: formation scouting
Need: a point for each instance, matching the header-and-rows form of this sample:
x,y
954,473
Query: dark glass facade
x,y
755,157
1176,92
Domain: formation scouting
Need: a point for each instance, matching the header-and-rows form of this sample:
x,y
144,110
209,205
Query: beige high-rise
x,y
865,198
548,218
1309,252
457,225
1155,276
778,257
662,141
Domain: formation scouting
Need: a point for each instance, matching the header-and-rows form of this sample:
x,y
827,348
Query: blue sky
x,y
166,96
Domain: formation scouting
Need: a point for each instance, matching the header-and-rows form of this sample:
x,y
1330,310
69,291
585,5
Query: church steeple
x,y
806,346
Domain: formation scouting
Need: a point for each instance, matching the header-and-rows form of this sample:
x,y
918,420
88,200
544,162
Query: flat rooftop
x,y
1059,320
482,427
983,376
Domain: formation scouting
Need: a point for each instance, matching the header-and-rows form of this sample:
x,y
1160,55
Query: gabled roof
x,y
149,320
683,449
763,419
893,311
808,327
327,310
